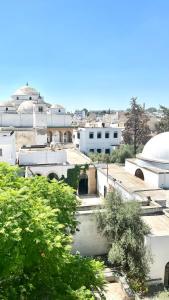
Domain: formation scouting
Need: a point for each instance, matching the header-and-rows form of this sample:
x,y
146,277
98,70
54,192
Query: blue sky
x,y
86,53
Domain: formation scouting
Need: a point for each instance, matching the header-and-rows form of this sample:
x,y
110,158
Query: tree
x,y
117,156
37,217
121,224
163,124
136,131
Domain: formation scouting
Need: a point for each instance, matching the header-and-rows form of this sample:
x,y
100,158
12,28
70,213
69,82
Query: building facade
x,y
97,139
34,120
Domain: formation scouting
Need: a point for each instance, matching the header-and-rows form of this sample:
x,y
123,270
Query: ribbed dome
x,y
26,90
157,148
26,107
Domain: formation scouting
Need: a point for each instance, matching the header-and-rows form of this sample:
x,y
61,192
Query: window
x,y
91,135
0,151
99,150
6,108
77,145
40,109
91,150
78,135
59,110
30,98
107,151
107,135
99,135
115,134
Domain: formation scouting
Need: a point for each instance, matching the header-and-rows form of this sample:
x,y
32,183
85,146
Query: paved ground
x,y
90,200
114,291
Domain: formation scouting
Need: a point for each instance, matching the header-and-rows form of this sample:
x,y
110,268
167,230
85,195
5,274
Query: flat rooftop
x,y
128,181
133,184
159,224
75,157
152,169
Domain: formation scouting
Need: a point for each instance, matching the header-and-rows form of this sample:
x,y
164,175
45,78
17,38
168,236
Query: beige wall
x,y
91,172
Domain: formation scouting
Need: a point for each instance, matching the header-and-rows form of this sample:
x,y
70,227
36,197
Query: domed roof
x,y
57,106
26,90
157,148
26,107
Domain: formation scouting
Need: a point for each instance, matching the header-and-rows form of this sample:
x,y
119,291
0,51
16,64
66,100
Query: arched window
x,y
139,174
30,98
53,176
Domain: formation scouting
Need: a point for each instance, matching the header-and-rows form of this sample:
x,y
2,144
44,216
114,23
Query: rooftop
x,y
134,184
128,181
76,157
159,224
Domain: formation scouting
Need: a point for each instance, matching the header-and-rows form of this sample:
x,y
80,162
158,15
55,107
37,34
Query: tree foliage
x,y
118,155
121,223
163,124
136,131
36,218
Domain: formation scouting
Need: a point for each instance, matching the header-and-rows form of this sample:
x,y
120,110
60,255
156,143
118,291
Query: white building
x,y
79,115
97,139
146,180
152,165
34,120
7,147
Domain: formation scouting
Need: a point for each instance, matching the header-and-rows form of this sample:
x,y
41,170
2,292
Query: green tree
x,y
122,225
37,217
163,124
117,156
136,131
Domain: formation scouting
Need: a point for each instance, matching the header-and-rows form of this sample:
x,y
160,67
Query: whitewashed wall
x,y
159,246
150,177
88,241
32,157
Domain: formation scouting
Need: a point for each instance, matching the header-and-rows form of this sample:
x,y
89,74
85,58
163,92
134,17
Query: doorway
x,y
83,184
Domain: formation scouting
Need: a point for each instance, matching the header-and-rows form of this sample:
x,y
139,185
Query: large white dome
x,y
26,90
26,107
157,148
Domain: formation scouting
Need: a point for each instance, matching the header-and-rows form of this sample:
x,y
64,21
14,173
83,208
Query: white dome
x,y
26,107
26,90
157,148
57,106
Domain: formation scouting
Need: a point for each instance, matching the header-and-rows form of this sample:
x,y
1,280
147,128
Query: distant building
x,y
34,120
97,139
7,147
79,115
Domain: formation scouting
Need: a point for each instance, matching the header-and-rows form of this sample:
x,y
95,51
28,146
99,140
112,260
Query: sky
x,y
95,54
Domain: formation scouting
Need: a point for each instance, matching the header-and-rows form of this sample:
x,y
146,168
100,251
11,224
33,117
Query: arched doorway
x,y
53,176
49,137
139,174
83,184
166,275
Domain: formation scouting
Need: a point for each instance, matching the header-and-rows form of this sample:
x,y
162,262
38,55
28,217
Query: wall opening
x,y
166,275
53,176
83,184
139,174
